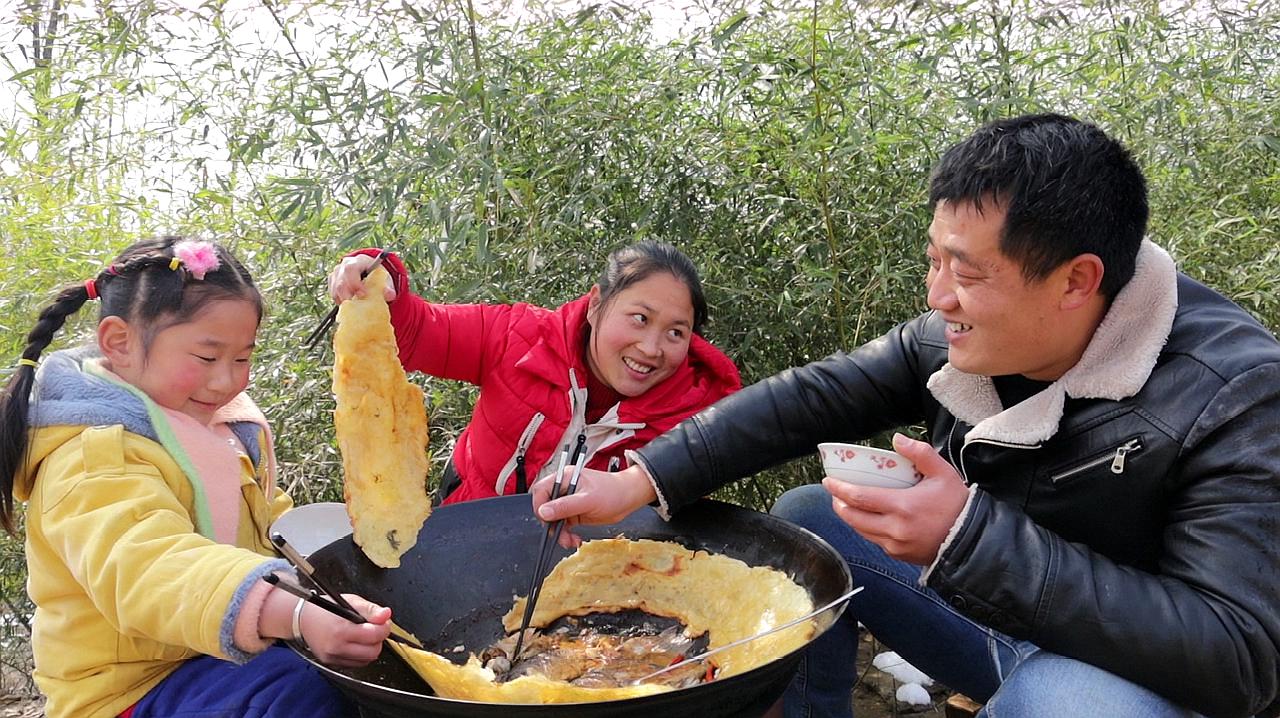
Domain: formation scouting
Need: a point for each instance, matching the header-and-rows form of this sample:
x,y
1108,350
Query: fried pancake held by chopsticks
x,y
381,423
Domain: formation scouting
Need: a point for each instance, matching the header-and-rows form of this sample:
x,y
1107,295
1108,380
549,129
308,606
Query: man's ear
x,y
1083,280
114,340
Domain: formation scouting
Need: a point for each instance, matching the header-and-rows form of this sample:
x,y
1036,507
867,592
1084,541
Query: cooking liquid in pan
x,y
603,650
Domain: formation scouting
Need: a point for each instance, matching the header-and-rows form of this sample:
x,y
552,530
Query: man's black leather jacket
x,y
1141,536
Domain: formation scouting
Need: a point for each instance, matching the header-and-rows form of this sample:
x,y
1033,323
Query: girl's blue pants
x,y
276,684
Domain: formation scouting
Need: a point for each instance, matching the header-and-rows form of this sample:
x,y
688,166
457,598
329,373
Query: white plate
x,y
311,527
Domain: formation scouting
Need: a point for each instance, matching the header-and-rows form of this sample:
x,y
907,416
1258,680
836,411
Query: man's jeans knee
x,y
1045,685
907,618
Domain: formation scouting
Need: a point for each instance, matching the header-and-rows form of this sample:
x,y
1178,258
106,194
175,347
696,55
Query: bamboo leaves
x,y
785,147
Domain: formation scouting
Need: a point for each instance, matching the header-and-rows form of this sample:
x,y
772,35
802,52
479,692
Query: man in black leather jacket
x,y
1096,530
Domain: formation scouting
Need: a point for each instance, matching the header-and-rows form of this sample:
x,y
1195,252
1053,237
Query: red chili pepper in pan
x,y
710,674
679,657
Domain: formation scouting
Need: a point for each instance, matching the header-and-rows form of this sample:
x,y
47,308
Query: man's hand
x,y
909,524
345,281
601,498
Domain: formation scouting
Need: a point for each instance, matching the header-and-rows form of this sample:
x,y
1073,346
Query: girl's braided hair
x,y
145,287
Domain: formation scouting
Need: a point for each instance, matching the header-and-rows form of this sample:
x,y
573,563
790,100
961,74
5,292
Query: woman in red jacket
x,y
619,365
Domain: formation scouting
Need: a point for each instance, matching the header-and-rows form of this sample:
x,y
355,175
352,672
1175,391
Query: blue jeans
x,y
276,684
1014,678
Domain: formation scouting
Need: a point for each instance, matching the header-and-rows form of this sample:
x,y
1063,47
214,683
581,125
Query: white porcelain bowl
x,y
311,527
868,466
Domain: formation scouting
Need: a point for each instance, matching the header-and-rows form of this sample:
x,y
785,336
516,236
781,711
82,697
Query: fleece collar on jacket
x,y
1115,365
66,395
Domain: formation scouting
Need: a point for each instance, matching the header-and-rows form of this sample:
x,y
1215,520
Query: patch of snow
x,y
913,694
902,672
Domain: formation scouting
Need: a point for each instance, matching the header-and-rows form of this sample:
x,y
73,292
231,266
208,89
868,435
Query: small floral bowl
x,y
868,466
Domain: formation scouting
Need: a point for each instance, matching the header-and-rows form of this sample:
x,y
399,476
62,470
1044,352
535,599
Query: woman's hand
x,y
346,281
338,642
601,498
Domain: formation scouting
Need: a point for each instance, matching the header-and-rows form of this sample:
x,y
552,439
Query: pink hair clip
x,y
199,258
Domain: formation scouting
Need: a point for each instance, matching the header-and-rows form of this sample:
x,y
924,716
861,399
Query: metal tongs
x,y
329,318
734,644
542,567
335,604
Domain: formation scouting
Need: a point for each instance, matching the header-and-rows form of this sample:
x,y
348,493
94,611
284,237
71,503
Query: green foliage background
x,y
785,148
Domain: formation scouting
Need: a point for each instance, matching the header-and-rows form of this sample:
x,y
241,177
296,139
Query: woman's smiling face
x,y
641,335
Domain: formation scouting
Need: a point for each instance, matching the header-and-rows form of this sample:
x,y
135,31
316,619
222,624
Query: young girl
x,y
150,482
619,365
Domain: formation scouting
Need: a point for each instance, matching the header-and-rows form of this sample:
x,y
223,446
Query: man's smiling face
x,y
998,323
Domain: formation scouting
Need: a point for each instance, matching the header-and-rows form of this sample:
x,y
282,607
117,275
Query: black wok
x,y
473,558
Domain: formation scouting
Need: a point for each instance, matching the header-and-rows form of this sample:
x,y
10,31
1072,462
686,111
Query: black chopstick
x,y
329,318
537,564
310,596
541,565
308,572
578,463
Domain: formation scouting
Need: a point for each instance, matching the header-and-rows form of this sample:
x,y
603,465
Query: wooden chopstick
x,y
329,318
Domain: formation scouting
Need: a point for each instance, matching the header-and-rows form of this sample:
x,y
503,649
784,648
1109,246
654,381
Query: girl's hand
x,y
345,280
339,642
601,498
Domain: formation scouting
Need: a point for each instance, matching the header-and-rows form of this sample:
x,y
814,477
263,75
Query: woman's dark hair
x,y
637,262
140,287
1067,189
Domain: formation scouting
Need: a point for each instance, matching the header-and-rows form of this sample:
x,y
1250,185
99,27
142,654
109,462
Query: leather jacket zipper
x,y
1117,459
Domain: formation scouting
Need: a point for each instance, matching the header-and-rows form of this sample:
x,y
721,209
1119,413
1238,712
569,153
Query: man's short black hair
x,y
1068,188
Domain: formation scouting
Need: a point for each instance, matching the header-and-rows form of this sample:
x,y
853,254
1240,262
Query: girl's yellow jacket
x,y
125,587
